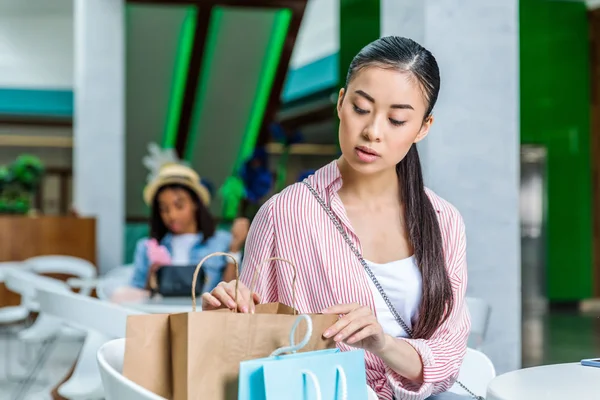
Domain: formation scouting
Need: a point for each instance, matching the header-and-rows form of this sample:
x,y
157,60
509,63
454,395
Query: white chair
x,y
102,320
116,386
84,272
476,372
26,283
480,317
11,316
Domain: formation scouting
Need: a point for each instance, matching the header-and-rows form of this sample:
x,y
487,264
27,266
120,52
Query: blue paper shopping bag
x,y
317,375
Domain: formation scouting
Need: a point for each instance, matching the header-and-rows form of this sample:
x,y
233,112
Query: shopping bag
x,y
147,359
206,348
316,375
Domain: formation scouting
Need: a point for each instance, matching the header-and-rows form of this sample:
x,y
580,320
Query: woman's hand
x,y
358,327
155,267
239,232
223,296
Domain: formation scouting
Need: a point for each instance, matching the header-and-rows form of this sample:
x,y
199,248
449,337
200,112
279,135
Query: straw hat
x,y
175,173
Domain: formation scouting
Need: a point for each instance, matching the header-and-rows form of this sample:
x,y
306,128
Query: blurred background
x,y
92,92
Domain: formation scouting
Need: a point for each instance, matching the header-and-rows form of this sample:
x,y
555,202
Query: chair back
x,y
480,316
476,372
116,386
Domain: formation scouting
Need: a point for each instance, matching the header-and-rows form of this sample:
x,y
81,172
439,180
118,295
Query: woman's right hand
x,y
223,296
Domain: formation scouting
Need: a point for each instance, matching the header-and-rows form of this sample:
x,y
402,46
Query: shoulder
x,y
448,215
141,244
221,238
222,235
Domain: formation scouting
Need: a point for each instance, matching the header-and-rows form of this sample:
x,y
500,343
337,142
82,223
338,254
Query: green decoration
x,y
282,169
232,192
18,184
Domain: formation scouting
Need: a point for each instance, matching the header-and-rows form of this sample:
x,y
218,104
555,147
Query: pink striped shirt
x,y
293,225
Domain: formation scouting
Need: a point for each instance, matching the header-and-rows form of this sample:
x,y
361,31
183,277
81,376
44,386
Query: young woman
x,y
182,232
371,203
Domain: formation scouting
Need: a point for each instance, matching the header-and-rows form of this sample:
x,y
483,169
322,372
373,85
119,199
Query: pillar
x,y
471,156
98,152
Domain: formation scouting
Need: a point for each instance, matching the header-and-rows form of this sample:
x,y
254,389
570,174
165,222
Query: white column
x,y
471,156
98,154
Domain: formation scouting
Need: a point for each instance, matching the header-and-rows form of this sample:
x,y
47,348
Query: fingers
x,y
341,308
210,302
349,321
226,295
223,296
367,331
353,327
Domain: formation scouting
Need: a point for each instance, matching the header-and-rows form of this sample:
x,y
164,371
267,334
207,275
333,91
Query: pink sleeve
x,y
443,353
260,246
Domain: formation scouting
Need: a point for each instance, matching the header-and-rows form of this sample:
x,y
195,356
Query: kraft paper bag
x,y
208,347
147,359
197,355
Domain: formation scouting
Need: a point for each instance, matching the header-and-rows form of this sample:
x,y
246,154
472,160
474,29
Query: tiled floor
x,y
548,338
36,368
560,336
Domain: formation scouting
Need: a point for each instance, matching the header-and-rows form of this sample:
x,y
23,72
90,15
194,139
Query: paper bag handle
x,y
259,269
342,379
197,271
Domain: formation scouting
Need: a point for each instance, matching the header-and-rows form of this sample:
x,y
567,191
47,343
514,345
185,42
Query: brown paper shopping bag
x,y
147,359
207,347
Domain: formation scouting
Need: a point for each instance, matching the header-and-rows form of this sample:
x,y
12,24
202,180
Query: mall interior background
x,y
515,143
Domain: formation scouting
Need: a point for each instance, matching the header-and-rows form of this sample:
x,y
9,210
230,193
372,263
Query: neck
x,y
372,188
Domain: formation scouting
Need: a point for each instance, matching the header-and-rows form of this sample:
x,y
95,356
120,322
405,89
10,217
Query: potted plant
x,y
19,182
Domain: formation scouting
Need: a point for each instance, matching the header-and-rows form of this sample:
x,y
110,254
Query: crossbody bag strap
x,y
370,273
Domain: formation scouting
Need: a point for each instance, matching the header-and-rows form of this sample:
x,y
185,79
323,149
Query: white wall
x,y
36,41
319,34
36,44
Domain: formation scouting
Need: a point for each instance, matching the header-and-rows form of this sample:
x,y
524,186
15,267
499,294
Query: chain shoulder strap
x,y
368,270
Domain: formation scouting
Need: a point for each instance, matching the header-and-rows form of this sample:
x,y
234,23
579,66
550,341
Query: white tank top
x,y
401,281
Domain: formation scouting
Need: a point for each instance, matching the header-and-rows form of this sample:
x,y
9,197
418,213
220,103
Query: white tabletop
x,y
549,382
163,305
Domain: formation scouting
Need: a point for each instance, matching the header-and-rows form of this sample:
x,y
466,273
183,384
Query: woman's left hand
x,y
358,327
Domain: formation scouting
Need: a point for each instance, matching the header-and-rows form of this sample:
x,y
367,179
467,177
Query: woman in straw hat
x,y
182,231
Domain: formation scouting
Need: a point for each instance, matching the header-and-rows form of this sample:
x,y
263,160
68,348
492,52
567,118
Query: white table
x,y
549,382
164,305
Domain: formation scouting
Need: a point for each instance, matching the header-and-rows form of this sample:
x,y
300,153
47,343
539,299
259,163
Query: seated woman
x,y
182,232
371,243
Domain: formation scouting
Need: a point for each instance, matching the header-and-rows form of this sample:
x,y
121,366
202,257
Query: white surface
x,y
86,312
319,34
549,382
99,123
476,372
116,386
36,48
401,281
163,305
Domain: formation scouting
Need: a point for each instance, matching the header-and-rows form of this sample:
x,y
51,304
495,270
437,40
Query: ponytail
x,y
426,239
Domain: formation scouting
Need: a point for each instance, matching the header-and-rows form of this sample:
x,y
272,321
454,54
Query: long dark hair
x,y
204,220
424,233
